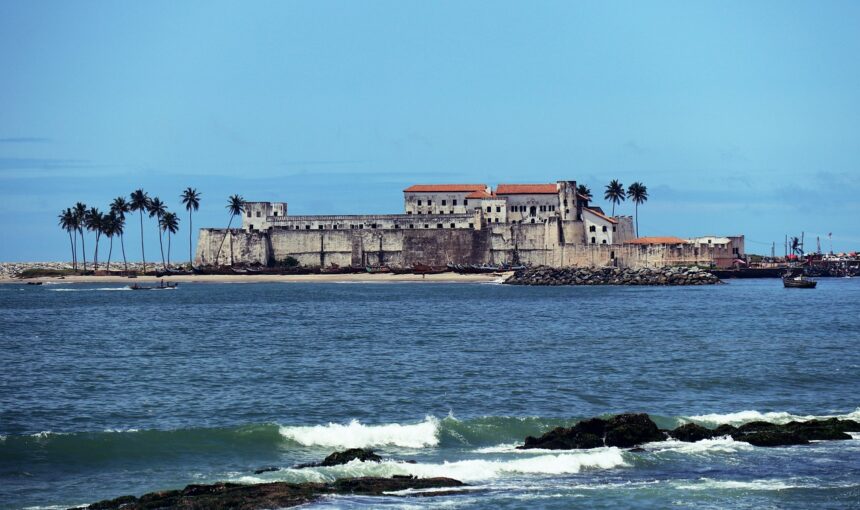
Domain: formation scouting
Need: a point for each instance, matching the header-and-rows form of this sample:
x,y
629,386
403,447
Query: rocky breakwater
x,y
545,275
632,430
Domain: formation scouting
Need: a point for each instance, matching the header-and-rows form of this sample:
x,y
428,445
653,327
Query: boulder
x,y
623,431
628,430
691,432
772,437
338,458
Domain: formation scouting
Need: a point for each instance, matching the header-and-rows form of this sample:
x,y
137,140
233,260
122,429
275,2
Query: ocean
x,y
106,392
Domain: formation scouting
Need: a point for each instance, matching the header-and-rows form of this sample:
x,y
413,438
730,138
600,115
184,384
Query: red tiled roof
x,y
432,188
526,189
600,214
657,240
481,194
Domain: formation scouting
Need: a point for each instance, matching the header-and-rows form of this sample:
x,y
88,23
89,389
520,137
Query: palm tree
x,y
118,208
94,220
191,200
109,229
614,193
236,206
67,223
583,190
157,210
170,224
638,193
140,202
80,211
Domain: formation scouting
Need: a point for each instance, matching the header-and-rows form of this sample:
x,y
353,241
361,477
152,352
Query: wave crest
x,y
357,435
741,417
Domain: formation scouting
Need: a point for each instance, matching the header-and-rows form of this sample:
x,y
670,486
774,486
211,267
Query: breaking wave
x,y
356,435
741,417
471,470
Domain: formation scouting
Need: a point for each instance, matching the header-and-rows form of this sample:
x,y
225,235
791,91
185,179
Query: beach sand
x,y
307,278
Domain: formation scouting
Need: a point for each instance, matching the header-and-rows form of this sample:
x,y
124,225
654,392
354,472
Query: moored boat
x,y
797,280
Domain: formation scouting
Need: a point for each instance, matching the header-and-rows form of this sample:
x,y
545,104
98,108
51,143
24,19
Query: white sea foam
x,y
471,470
742,417
357,435
751,485
723,444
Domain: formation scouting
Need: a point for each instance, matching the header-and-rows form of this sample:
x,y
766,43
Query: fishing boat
x,y
160,286
419,268
796,280
378,269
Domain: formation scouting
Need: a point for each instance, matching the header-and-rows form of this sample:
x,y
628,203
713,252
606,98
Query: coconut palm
x,y
236,206
157,210
583,190
80,211
638,193
170,224
118,208
614,193
93,220
140,202
67,223
191,199
109,230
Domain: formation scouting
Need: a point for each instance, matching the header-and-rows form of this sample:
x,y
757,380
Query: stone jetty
x,y
545,275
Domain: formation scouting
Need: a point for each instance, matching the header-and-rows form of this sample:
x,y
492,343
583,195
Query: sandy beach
x,y
306,278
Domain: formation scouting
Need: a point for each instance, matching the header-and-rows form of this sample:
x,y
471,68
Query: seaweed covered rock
x,y
628,430
339,458
771,437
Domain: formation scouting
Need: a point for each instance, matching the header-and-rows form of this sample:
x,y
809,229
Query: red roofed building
x,y
433,199
535,203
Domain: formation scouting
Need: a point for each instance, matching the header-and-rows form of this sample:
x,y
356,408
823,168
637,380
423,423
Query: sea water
x,y
105,393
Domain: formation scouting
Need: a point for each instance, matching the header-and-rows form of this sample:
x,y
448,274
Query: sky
x,y
740,117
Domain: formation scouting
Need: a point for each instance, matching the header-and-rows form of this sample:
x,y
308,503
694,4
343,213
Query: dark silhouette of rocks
x,y
545,275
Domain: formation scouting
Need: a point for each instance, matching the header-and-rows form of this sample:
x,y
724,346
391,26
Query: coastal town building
x,y
545,223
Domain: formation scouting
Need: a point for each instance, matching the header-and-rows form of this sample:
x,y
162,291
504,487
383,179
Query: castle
x,y
548,224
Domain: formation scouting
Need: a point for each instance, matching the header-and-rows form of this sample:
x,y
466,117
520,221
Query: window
x,y
250,227
444,202
613,228
426,226
489,209
593,241
454,202
592,229
361,225
612,254
275,213
603,242
498,209
396,226
438,225
419,202
320,227
258,214
497,220
533,220
411,225
605,229
373,225
453,226
471,225
334,227
565,202
307,227
249,214
429,202
465,202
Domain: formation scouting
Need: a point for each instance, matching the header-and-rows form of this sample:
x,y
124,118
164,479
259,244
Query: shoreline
x,y
264,278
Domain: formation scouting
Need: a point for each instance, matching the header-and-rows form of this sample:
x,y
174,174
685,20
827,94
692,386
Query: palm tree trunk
x,y
122,245
231,250
84,249
218,253
637,220
161,244
110,252
168,248
72,246
96,254
142,252
190,231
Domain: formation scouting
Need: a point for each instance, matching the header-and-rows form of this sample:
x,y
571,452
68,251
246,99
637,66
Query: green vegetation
x,y
615,193
638,193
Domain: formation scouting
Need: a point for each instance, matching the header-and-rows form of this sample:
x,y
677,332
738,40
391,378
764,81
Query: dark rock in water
x,y
638,449
623,430
338,458
774,437
691,433
757,426
266,469
725,430
222,496
350,455
626,430
821,430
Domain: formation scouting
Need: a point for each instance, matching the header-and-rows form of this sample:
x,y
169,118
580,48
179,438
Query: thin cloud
x,y
25,139
42,164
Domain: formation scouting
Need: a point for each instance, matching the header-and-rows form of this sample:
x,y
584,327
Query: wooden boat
x,y
34,283
160,286
332,269
798,282
377,269
425,269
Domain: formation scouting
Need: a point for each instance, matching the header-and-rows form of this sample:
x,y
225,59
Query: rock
x,y
773,437
220,496
266,469
821,430
623,431
544,275
757,426
338,458
626,430
691,433
725,430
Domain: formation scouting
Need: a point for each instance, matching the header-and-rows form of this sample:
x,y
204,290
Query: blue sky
x,y
740,117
